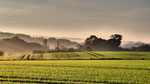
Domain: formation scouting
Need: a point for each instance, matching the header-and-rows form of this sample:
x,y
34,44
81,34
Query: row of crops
x,y
82,56
89,56
76,72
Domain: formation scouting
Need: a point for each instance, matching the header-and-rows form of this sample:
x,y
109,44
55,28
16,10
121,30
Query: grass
x,y
82,56
11,57
76,71
76,68
91,55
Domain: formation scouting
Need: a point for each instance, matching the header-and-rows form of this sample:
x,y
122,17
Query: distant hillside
x,y
52,42
17,45
131,44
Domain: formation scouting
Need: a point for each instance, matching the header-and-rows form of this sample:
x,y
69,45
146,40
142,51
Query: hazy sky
x,y
77,18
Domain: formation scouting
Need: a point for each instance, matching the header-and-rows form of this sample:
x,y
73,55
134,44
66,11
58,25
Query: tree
x,y
144,47
37,51
94,43
91,42
116,37
57,49
1,53
80,47
89,49
71,50
115,41
63,49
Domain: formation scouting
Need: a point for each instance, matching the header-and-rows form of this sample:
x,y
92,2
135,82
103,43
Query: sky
x,y
77,18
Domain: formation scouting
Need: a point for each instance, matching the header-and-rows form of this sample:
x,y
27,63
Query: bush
x,y
1,53
37,51
71,50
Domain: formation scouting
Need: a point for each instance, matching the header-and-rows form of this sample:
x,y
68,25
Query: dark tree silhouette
x,y
91,41
144,47
89,49
1,53
115,41
71,50
37,51
95,43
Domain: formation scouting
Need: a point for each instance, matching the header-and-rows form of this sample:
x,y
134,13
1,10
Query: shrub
x,y
71,50
37,51
1,53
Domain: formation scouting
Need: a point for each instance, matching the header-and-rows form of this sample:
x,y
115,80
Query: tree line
x,y
93,43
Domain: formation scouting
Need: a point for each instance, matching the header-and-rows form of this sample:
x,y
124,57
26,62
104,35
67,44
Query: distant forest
x,y
93,43
51,41
20,43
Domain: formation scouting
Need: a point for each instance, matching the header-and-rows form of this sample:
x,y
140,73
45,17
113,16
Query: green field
x,y
76,68
76,72
82,56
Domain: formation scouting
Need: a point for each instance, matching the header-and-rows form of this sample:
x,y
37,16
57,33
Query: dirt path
x,y
28,57
22,57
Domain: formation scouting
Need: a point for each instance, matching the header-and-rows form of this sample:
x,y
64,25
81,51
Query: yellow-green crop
x,y
76,71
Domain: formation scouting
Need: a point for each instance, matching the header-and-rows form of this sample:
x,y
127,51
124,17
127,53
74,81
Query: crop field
x,y
82,56
75,72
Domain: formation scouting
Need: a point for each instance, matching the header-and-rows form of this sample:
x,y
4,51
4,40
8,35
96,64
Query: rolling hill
x,y
52,42
17,45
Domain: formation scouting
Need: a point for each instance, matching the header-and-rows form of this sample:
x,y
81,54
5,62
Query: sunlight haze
x,y
77,18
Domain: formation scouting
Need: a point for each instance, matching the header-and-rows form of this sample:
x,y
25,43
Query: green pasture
x,y
75,72
82,56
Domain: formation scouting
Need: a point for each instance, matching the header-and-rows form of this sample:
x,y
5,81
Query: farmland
x,y
76,71
81,56
76,68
